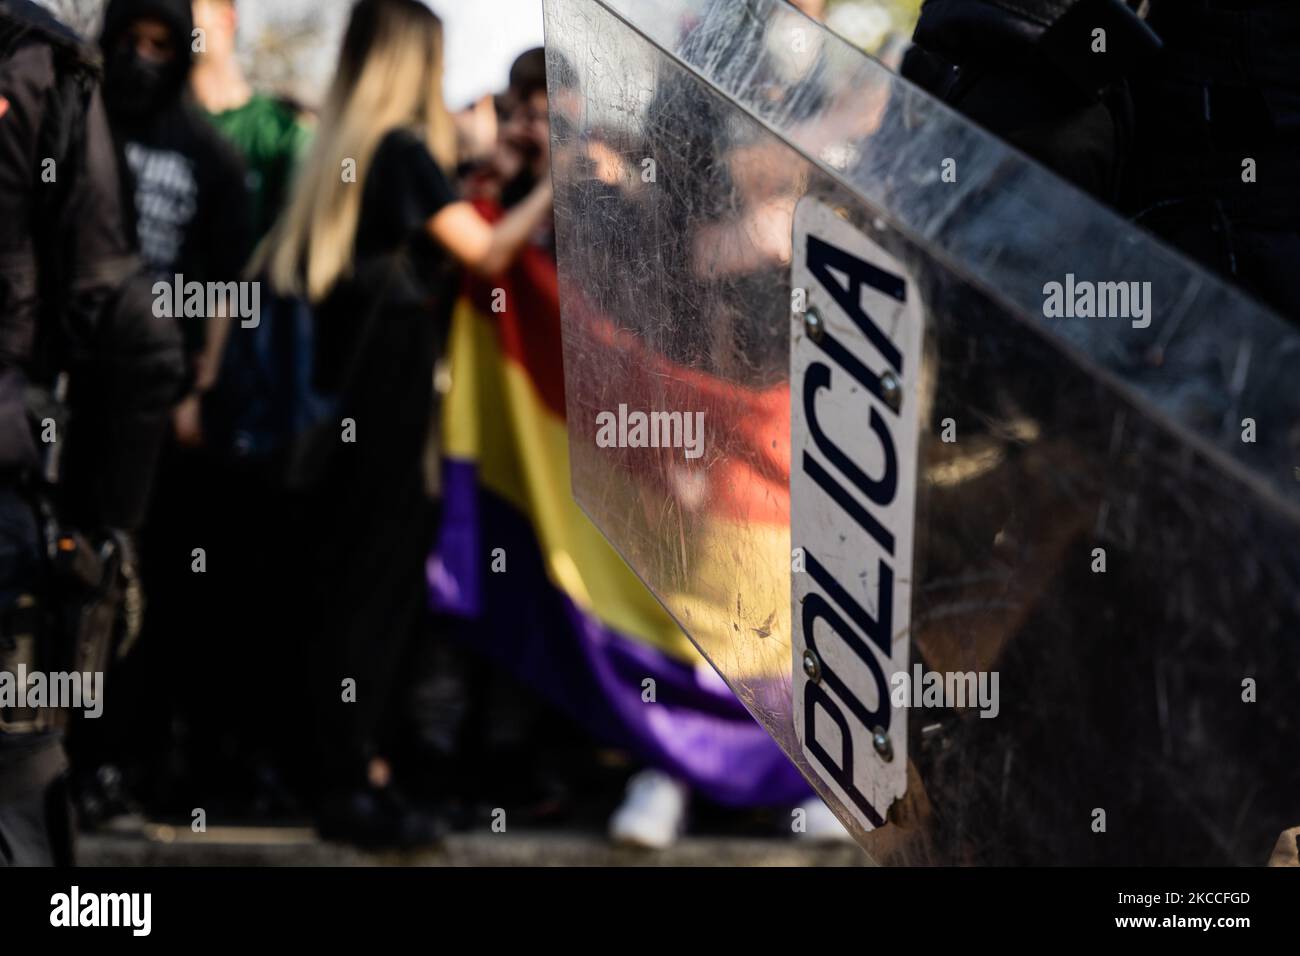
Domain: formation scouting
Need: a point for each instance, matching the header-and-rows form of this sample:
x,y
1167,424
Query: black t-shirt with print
x,y
191,201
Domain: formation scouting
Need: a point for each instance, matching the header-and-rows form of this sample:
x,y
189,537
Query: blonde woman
x,y
373,236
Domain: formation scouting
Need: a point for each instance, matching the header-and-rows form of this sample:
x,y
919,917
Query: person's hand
x,y
608,165
770,227
187,422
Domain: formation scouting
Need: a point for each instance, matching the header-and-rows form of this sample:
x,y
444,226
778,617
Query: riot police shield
x,y
982,500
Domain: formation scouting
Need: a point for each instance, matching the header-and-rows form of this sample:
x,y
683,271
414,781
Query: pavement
x,y
167,845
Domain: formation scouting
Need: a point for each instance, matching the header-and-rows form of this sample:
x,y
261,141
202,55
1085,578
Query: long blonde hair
x,y
389,76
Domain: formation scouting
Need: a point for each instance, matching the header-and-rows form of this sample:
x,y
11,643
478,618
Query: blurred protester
x,y
269,132
190,203
371,237
80,348
191,207
476,132
250,763
485,175
526,133
479,734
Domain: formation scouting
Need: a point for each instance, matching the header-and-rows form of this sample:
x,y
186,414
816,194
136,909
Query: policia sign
x,y
855,365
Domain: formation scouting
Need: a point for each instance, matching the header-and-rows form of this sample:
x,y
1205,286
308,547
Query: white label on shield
x,y
855,372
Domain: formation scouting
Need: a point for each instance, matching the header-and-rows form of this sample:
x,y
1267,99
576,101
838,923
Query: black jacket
x,y
70,281
191,204
1158,126
1026,70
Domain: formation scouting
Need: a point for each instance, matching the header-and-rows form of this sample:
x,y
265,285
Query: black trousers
x,y
34,819
36,827
372,525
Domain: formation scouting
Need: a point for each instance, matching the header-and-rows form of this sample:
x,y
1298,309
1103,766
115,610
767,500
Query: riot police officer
x,y
1184,114
87,379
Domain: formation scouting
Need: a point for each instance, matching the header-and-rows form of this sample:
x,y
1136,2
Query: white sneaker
x,y
653,814
820,824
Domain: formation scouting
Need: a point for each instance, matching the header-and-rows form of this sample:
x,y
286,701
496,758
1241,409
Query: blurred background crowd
x,y
405,627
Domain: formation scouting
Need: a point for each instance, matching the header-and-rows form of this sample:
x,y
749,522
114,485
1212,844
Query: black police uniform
x,y
73,299
1161,125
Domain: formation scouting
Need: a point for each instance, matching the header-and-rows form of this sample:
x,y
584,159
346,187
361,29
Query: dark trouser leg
x,y
34,822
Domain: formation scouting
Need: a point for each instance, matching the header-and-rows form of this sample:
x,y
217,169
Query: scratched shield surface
x,y
1089,521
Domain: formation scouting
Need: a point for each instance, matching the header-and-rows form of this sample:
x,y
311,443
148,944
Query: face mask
x,y
134,86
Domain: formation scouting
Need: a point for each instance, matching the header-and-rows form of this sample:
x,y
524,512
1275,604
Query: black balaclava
x,y
136,89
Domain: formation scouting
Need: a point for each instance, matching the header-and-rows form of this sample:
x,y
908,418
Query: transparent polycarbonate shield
x,y
867,398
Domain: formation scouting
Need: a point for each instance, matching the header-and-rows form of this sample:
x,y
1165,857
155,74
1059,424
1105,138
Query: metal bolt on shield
x,y
882,743
891,390
812,666
812,321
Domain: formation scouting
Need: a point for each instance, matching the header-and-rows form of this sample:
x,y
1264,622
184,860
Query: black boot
x,y
378,818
